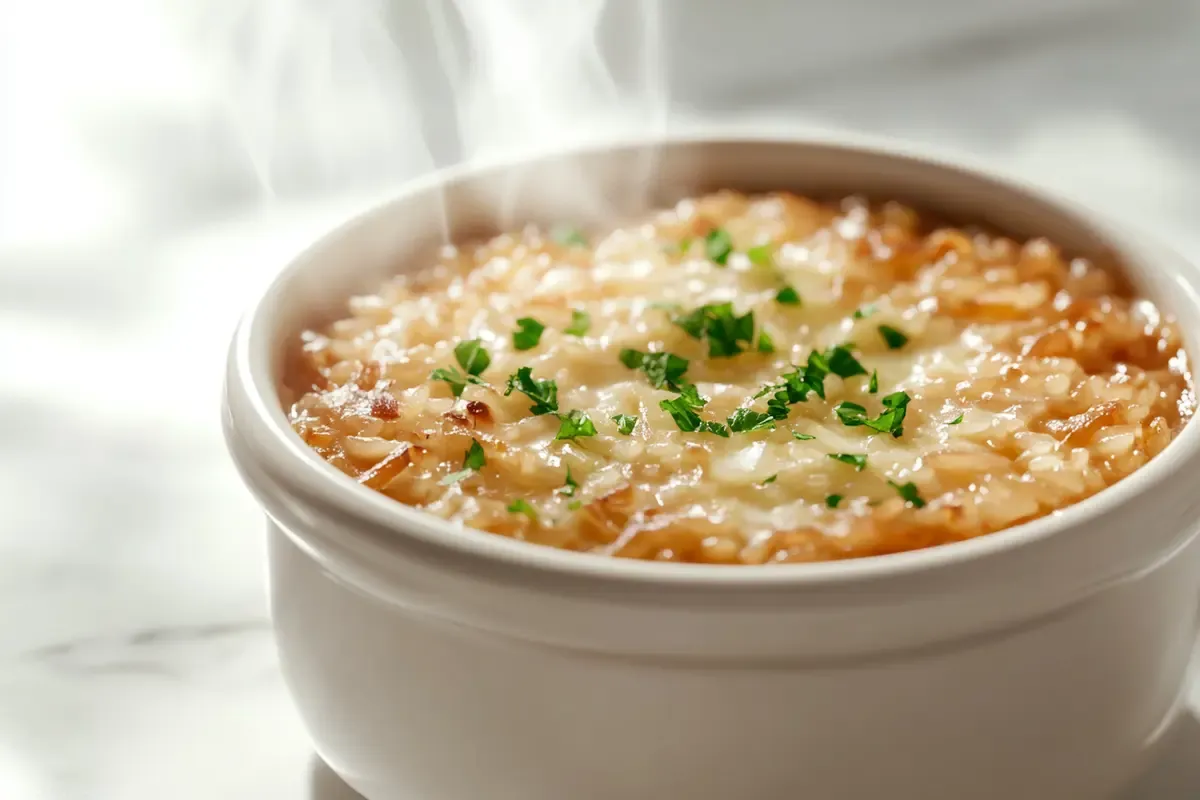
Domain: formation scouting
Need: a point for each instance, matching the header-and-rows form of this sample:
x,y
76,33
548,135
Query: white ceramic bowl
x,y
429,661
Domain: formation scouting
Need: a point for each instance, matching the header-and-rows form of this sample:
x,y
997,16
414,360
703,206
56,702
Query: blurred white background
x,y
160,159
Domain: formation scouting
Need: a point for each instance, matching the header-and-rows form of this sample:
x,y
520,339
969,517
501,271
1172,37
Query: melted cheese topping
x,y
1031,381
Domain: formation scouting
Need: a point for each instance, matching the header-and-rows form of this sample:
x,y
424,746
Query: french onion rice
x,y
1027,381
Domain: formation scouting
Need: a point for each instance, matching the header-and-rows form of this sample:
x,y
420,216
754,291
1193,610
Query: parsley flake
x,y
568,236
625,423
475,458
787,296
858,461
851,414
521,506
803,437
745,420
795,386
770,480
528,333
717,246
760,255
458,382
765,343
895,339
580,322
473,461
574,425
832,500
863,312
725,330
909,492
873,384
693,322
543,393
890,420
691,395
575,505
957,420
569,485
472,356
683,410
842,362
663,369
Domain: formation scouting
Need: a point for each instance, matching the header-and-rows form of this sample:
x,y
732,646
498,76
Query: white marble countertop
x,y
136,660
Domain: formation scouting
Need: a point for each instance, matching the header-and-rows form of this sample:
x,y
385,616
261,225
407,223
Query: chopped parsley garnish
x,y
725,330
473,461
890,420
571,237
745,420
520,506
833,500
909,492
956,420
543,393
663,369
794,389
691,396
803,437
859,462
475,458
765,343
770,480
787,296
458,382
842,362
569,486
863,312
760,255
574,425
580,322
575,505
472,356
717,246
851,414
895,339
528,333
873,384
693,322
795,386
625,423
683,410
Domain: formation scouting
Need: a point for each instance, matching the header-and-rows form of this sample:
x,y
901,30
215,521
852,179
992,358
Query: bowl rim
x,y
253,409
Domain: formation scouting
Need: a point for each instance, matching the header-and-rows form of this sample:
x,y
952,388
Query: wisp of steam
x,y
427,85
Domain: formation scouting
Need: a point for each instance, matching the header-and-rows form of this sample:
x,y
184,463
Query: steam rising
x,y
537,79
393,89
